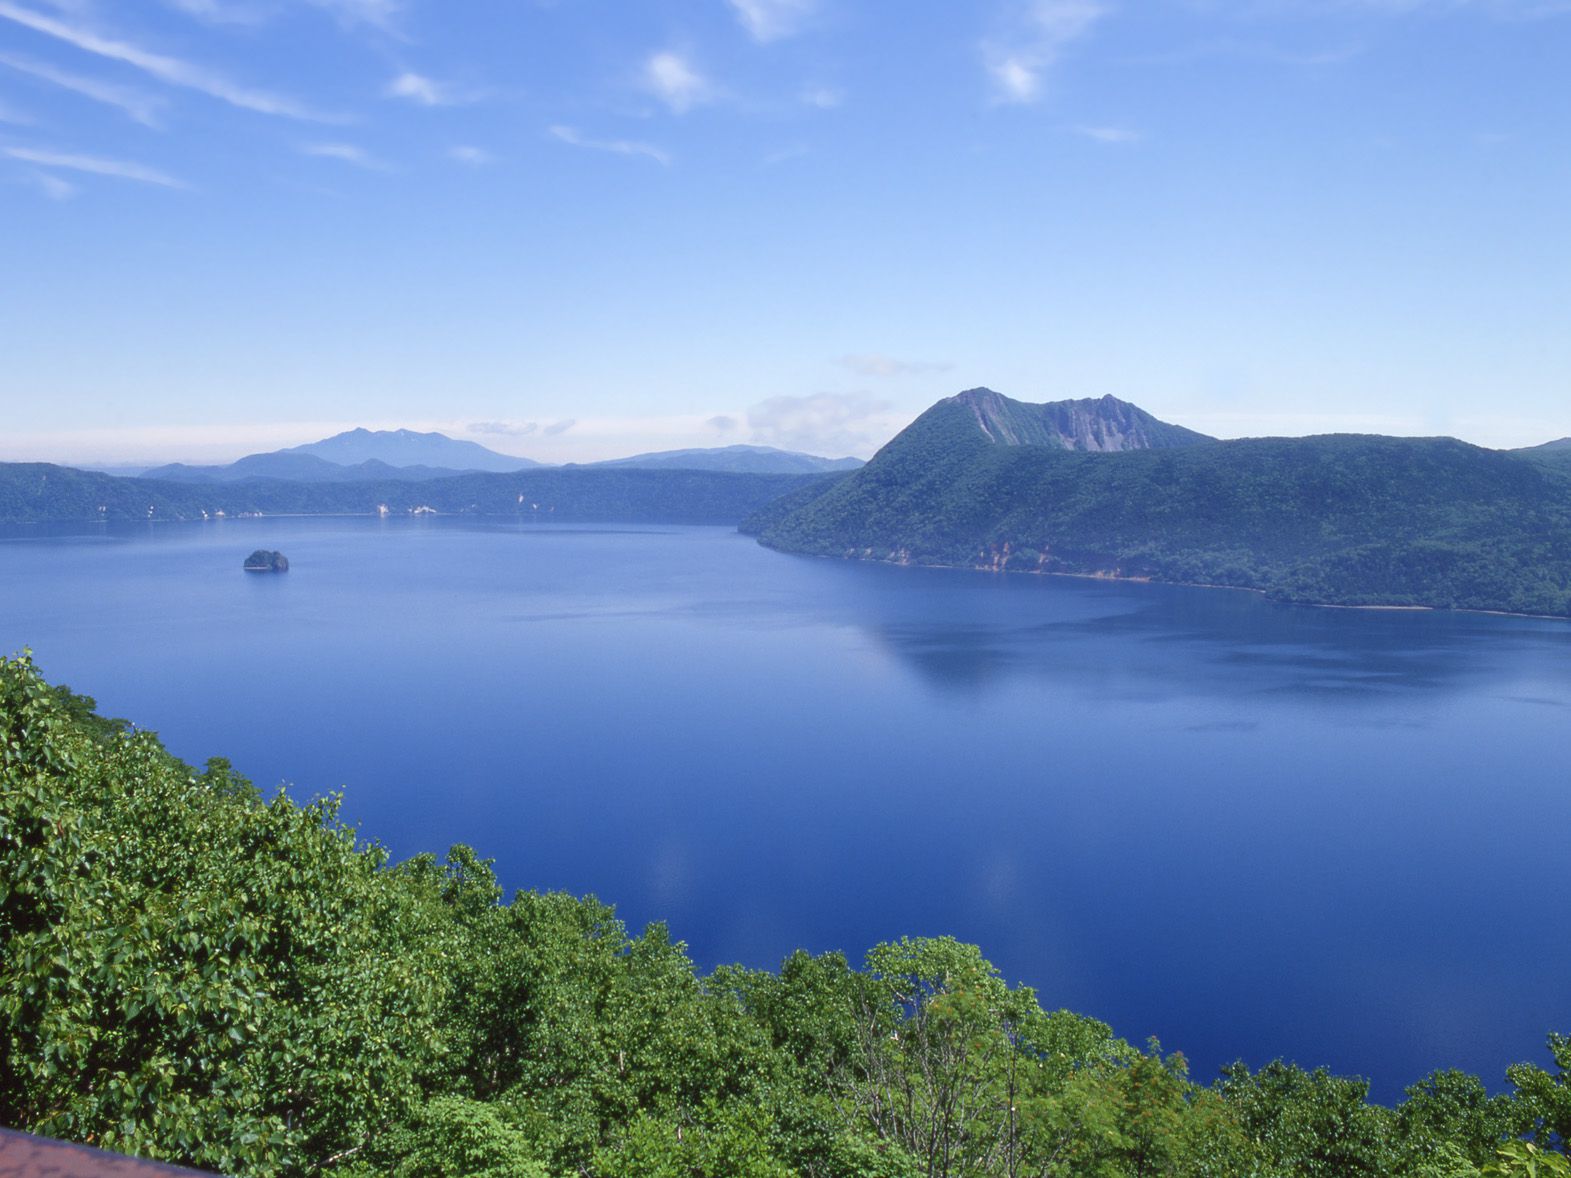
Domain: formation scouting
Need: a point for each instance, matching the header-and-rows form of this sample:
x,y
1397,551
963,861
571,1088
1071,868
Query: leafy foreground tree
x,y
191,972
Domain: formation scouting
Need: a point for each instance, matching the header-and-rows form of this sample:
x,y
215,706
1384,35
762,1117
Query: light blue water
x,y
1252,830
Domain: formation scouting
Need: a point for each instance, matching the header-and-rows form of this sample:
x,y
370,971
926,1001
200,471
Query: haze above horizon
x,y
575,231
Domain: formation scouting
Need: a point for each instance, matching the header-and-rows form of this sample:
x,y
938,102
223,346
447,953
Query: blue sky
x,y
573,229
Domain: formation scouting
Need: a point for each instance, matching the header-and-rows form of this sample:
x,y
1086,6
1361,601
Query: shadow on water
x,y
1151,641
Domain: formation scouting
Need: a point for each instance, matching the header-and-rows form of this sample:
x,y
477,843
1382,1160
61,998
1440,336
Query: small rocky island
x,y
263,561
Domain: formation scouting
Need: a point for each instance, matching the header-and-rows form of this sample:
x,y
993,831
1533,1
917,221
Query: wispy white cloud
x,y
169,70
877,364
672,79
475,157
53,186
822,423
1109,135
1036,37
505,429
141,107
618,146
424,91
348,153
220,12
821,97
771,20
785,155
384,16
97,165
381,15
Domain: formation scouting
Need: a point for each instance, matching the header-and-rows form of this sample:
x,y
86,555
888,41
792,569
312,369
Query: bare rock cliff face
x,y
1103,424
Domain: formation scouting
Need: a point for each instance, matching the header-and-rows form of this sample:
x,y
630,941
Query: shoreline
x,y
1127,580
1097,576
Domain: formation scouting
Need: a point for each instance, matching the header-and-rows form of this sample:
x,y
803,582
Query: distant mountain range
x,y
362,455
357,455
1088,487
406,448
741,459
1102,488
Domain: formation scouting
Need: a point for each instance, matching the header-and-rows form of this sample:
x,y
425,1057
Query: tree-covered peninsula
x,y
194,972
982,481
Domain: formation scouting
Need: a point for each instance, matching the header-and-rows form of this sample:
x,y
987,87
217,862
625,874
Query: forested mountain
x,y
1339,519
751,459
192,972
36,492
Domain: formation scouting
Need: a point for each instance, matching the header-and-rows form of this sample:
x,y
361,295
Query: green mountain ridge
x,y
1336,519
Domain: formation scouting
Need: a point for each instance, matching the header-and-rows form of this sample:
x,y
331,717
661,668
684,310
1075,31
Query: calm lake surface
x,y
1251,830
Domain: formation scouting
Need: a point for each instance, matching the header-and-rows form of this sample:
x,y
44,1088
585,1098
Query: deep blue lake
x,y
1252,830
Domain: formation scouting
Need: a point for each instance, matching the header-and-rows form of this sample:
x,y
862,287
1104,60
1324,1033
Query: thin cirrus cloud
x,y
170,70
219,12
1113,136
821,97
52,186
94,165
143,108
571,135
475,157
506,429
347,153
672,79
521,429
876,364
424,91
1037,36
381,15
772,20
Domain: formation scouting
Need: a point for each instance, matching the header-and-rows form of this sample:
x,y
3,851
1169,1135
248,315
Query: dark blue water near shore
x,y
1252,830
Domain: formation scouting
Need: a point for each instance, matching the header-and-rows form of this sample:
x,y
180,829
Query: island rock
x,y
264,561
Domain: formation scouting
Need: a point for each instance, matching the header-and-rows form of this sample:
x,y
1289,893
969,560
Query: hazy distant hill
x,y
305,468
39,492
358,455
748,459
402,447
362,455
1338,519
